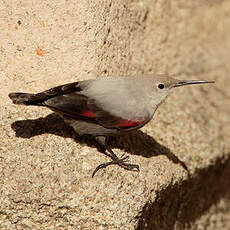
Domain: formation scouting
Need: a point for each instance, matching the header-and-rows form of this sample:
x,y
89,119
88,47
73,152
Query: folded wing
x,y
69,101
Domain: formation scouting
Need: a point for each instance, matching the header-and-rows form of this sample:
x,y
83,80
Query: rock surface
x,y
46,168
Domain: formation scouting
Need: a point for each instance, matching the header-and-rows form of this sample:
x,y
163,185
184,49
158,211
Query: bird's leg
x,y
104,148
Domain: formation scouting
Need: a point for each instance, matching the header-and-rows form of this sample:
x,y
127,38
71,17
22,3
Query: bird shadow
x,y
136,142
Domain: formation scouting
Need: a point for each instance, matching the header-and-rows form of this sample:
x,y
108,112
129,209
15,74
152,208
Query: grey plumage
x,y
106,106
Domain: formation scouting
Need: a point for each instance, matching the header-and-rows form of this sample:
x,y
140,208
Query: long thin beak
x,y
191,82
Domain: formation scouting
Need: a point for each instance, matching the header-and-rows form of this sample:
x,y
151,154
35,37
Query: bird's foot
x,y
122,162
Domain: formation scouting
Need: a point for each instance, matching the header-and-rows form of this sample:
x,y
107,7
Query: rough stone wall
x,y
45,169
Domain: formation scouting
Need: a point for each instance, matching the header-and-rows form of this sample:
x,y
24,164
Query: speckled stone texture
x,y
45,168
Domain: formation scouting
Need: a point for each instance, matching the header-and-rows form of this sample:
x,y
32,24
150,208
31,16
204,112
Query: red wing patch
x,y
107,120
88,113
128,123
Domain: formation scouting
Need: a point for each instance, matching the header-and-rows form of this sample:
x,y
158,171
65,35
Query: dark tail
x,y
42,97
22,98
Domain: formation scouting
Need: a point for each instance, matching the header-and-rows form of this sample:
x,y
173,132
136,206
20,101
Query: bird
x,y
107,106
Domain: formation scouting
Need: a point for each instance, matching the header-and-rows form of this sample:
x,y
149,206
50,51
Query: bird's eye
x,y
161,86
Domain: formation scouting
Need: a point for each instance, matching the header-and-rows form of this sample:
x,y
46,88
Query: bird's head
x,y
162,86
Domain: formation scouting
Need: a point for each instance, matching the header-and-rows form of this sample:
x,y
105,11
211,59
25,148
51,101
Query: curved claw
x,y
100,141
131,167
101,166
126,166
120,162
